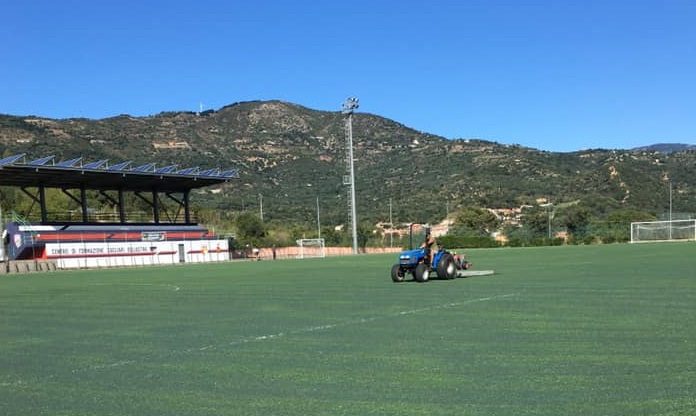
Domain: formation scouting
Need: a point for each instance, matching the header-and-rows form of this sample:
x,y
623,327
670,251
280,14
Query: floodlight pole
x,y
348,107
670,209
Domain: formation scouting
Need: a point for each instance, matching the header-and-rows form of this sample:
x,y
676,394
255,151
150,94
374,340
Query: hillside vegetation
x,y
290,157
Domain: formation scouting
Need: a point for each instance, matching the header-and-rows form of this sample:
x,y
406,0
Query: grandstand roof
x,y
101,175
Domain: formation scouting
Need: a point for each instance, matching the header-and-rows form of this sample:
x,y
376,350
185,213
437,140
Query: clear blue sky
x,y
557,75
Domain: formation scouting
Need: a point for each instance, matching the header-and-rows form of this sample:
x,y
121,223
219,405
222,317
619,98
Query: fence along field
x,y
580,330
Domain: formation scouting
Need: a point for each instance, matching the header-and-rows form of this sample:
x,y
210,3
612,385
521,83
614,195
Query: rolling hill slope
x,y
289,156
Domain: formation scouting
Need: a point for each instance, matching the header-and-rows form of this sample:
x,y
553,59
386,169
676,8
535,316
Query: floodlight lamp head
x,y
350,105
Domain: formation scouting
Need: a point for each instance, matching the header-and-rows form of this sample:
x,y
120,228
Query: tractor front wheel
x,y
397,274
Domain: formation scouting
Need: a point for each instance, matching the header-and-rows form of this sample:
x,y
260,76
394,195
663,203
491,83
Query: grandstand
x,y
88,242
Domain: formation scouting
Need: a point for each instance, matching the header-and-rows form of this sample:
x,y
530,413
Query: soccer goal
x,y
311,248
656,231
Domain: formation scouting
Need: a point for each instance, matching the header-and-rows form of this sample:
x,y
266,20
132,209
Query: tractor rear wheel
x,y
446,268
397,274
421,273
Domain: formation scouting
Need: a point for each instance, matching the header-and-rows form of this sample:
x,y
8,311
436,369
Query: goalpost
x,y
311,248
657,231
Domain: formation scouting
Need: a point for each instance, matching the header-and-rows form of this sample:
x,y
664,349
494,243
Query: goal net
x,y
654,231
311,248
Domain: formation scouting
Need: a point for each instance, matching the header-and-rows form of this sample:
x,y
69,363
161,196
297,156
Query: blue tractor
x,y
417,262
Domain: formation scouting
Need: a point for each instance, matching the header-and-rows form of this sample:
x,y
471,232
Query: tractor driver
x,y
429,244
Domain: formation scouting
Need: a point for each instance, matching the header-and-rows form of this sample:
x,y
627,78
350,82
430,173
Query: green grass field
x,y
582,330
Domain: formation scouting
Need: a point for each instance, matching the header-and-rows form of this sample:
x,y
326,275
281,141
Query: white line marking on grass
x,y
175,288
366,320
268,337
102,366
12,383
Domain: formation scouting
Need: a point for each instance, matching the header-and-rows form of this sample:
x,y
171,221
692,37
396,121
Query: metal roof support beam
x,y
79,201
147,201
82,200
42,203
107,196
166,211
116,203
83,203
155,206
121,207
30,195
34,200
183,204
187,211
178,202
73,197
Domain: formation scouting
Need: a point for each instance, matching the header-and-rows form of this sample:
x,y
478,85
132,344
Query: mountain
x,y
290,157
666,148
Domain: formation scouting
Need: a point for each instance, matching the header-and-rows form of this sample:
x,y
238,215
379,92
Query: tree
x,y
536,220
627,216
332,237
576,218
476,220
617,228
364,231
250,229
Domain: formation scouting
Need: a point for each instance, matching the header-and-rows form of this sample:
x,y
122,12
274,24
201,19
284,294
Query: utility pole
x,y
348,107
391,225
318,222
2,240
670,209
548,206
261,206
